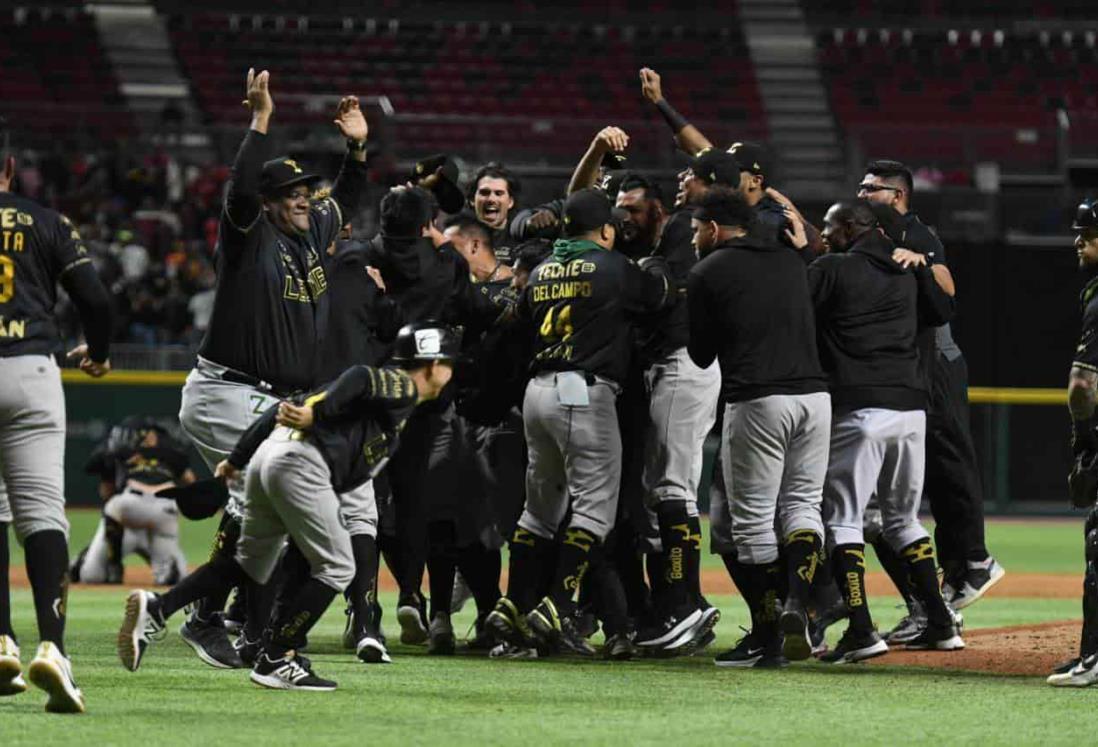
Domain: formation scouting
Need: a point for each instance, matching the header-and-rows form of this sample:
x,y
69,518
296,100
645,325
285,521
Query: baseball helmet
x,y
129,434
1086,215
426,341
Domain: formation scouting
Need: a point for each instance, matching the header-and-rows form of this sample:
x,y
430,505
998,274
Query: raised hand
x,y
650,85
795,233
611,139
258,96
350,120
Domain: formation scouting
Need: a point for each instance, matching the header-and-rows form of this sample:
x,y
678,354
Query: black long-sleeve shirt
x,y
582,311
666,331
363,319
270,311
38,249
751,309
356,423
868,312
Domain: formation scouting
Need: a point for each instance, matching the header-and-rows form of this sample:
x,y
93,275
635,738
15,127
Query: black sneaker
x,y
937,638
290,672
585,624
483,640
141,625
545,623
507,624
753,652
1065,666
248,651
372,623
234,617
619,647
818,625
211,643
911,626
671,631
796,645
856,646
350,630
441,641
412,616
571,642
371,650
973,582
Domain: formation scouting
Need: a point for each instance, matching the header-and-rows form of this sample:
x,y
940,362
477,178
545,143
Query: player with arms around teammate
x,y
1082,388
270,310
38,249
581,304
750,308
302,459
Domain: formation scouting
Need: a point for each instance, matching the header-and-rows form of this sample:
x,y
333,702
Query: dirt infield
x,y
1023,650
715,581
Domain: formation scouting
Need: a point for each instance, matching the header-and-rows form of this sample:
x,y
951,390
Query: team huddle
x,y
477,376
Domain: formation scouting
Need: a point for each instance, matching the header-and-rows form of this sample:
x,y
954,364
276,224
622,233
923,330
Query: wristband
x,y
674,120
356,146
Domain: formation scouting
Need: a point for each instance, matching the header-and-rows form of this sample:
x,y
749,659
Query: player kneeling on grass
x,y
301,459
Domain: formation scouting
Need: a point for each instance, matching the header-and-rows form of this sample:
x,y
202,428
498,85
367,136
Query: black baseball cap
x,y
588,209
282,173
714,166
445,190
199,500
1086,215
753,158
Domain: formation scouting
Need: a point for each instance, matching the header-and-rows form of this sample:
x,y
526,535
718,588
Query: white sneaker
x,y
1083,674
52,672
11,671
372,651
461,594
978,578
139,629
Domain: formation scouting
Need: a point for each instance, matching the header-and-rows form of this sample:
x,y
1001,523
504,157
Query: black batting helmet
x,y
1086,215
425,341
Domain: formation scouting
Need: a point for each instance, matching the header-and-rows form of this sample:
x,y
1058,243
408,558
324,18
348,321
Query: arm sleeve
x,y
700,346
521,230
821,282
390,318
243,204
648,287
93,303
255,435
1086,352
346,197
935,305
361,386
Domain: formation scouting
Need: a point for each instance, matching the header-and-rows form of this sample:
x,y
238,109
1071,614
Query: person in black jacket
x,y
305,456
952,474
869,307
750,308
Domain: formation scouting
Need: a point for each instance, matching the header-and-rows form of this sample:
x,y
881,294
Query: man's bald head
x,y
846,221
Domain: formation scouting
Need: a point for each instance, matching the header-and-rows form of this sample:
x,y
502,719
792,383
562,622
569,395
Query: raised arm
x,y
243,203
608,139
687,136
350,185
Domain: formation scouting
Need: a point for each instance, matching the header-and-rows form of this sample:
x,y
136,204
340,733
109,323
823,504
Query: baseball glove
x,y
1083,480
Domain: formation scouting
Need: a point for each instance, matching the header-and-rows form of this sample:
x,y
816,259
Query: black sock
x,y
608,594
895,567
693,561
224,546
5,588
677,541
218,576
292,573
363,589
825,592
657,564
113,533
572,562
923,572
440,574
758,584
47,558
802,555
292,627
481,569
850,575
529,554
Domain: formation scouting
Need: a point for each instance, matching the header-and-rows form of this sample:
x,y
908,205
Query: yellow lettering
x,y
7,218
16,328
18,245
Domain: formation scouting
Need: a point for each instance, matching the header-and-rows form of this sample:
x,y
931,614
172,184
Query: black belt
x,y
239,377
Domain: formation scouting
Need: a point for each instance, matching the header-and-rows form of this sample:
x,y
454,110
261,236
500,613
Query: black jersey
x,y
499,292
152,465
38,249
270,310
663,333
583,304
1086,352
356,423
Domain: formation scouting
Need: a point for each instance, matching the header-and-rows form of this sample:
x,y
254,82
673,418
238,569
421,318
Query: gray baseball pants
x,y
876,453
32,445
214,414
152,526
774,456
288,491
574,457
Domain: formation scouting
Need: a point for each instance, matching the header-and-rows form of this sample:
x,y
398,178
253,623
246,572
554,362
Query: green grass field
x,y
175,699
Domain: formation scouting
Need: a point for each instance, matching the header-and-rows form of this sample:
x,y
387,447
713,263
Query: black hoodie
x,y
868,310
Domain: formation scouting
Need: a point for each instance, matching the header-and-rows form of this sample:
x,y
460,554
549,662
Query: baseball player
x,y
750,307
1082,385
270,313
581,304
141,458
952,475
869,305
39,249
303,459
492,194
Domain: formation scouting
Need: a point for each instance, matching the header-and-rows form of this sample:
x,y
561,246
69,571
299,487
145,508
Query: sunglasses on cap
x,y
871,188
